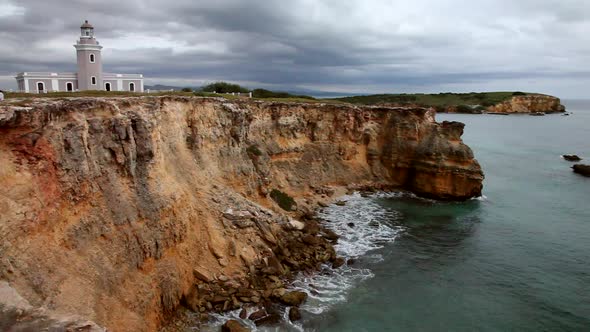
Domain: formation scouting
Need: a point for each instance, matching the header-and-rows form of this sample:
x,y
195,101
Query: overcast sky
x,y
364,46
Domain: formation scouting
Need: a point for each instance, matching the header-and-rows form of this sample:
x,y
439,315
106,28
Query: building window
x,y
132,87
40,87
93,80
107,86
69,87
91,58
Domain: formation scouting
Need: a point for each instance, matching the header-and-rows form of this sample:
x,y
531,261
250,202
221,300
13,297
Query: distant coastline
x,y
507,102
472,103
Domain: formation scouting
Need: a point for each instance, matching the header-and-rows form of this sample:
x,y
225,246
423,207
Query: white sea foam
x,y
361,231
481,198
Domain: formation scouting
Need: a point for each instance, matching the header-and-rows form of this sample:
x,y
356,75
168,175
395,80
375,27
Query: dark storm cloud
x,y
357,46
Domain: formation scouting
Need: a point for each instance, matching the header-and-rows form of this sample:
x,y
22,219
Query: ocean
x,y
516,259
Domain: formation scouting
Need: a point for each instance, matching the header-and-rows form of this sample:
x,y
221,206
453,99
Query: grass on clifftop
x,y
279,97
483,99
440,99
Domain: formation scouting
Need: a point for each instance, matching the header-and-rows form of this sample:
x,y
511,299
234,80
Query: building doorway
x,y
69,87
132,87
40,87
107,86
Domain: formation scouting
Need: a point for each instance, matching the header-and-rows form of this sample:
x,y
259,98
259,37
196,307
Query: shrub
x,y
224,87
518,93
186,90
285,201
263,93
464,109
253,150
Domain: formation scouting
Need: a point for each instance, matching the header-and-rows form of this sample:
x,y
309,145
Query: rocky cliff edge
x,y
119,210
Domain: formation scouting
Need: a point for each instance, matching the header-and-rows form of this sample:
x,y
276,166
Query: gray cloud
x,y
348,46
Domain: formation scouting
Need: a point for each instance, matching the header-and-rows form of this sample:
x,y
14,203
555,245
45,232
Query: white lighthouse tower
x,y
89,76
89,59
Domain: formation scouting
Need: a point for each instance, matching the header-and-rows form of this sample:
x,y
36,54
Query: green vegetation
x,y
441,99
463,101
224,87
253,150
217,89
464,109
262,93
285,201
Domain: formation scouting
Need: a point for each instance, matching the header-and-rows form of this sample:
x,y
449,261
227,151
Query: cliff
x,y
119,210
529,104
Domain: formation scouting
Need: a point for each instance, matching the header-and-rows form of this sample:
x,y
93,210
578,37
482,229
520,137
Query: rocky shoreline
x,y
265,293
124,210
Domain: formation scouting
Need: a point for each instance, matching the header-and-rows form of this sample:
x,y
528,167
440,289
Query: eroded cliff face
x,y
529,104
117,209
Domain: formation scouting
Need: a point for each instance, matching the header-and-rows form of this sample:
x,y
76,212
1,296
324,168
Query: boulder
x,y
582,169
329,235
311,240
202,274
571,157
338,262
234,326
296,224
294,298
243,314
257,315
271,319
230,214
294,314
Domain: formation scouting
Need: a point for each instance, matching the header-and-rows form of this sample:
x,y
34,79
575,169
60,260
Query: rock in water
x,y
234,326
294,314
243,314
271,319
571,157
294,298
257,315
582,169
338,262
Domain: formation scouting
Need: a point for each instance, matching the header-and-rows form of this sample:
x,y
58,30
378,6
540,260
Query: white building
x,y
89,75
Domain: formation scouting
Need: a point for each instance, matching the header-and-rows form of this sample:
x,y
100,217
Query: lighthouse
x,y
89,59
89,75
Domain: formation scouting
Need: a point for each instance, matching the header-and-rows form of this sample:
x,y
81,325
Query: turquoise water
x,y
517,260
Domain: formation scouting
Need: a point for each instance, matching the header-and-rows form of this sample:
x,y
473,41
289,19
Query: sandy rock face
x,y
116,209
529,104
